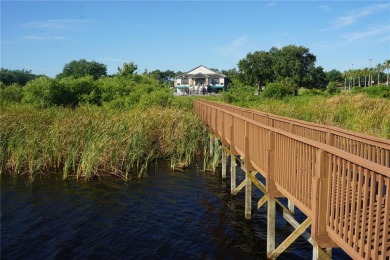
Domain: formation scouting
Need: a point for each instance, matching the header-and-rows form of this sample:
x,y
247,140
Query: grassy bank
x,y
357,112
89,141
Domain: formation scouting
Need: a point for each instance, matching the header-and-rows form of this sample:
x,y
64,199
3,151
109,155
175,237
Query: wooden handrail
x,y
352,208
365,146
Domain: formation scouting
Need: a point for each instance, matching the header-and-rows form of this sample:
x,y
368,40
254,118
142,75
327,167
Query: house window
x,y
215,81
184,81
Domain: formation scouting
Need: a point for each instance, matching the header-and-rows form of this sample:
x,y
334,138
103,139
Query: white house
x,y
201,76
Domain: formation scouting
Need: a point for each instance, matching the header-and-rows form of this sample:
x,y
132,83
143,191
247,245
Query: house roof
x,y
201,72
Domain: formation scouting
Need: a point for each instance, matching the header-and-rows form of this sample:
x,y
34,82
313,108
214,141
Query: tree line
x,y
277,72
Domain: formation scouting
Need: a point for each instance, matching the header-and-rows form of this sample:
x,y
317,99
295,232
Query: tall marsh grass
x,y
88,141
355,112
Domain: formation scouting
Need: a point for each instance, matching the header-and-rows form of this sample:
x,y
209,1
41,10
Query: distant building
x,y
199,76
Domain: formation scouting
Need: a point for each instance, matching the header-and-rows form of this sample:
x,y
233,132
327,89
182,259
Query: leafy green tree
x,y
127,69
294,62
291,62
230,73
335,76
81,68
256,69
164,77
21,77
315,78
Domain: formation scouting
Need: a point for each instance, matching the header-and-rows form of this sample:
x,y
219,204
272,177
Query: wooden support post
x,y
247,162
291,128
319,253
271,187
232,145
248,196
290,219
233,166
290,239
216,122
261,202
328,251
237,190
223,134
329,138
223,163
320,200
256,182
271,217
291,206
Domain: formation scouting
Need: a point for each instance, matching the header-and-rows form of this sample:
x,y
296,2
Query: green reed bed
x,y
90,141
355,112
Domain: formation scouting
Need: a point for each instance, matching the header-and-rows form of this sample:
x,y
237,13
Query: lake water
x,y
179,215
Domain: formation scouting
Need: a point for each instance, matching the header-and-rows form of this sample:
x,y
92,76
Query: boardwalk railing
x,y
346,197
368,147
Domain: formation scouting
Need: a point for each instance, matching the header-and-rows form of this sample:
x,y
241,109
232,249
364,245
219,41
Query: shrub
x,y
159,98
228,97
332,88
42,92
374,91
277,90
74,91
310,92
11,94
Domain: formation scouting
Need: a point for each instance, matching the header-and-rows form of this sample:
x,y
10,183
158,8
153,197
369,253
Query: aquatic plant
x,y
212,154
89,141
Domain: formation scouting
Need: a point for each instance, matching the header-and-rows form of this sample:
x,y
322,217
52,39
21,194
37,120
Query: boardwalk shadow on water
x,y
163,216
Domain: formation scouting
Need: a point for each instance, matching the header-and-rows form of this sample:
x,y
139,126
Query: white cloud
x,y
373,33
354,15
271,3
42,38
233,48
324,7
63,24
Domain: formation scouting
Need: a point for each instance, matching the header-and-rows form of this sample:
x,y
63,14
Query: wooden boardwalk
x,y
339,179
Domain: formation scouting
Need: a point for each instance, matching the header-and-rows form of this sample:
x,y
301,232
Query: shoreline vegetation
x,y
83,123
89,141
354,111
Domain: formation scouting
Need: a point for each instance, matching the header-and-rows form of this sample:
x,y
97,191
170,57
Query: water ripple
x,y
166,215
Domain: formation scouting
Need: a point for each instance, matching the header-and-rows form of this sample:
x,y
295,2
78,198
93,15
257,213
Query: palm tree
x,y
359,73
379,69
350,73
386,66
370,77
365,73
345,79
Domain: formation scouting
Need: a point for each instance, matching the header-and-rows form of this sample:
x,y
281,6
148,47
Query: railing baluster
x,y
346,196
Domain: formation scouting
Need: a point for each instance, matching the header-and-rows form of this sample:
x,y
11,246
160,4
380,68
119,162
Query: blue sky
x,y
43,36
